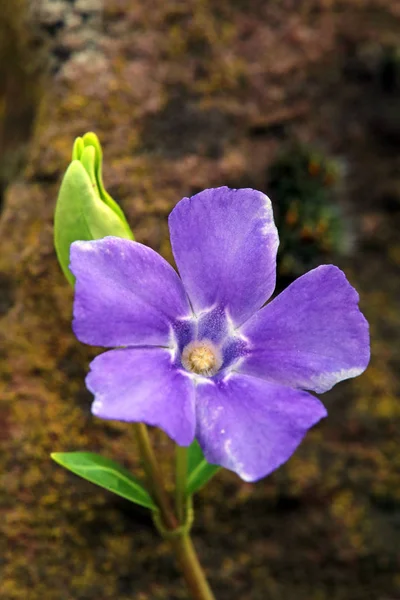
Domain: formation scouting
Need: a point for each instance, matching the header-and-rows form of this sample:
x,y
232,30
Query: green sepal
x,y
107,474
81,214
199,470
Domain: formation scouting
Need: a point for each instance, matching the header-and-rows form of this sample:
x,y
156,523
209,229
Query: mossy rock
x,y
324,525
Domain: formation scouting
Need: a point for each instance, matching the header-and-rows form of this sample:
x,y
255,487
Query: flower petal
x,y
224,243
311,336
143,385
125,294
252,426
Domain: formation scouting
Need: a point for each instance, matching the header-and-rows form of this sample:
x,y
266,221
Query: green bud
x,y
84,210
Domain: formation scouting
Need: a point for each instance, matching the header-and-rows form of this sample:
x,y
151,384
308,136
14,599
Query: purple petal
x,y
224,243
252,426
143,385
311,336
125,294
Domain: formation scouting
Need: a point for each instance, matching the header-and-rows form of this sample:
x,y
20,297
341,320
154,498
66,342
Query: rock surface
x,y
187,95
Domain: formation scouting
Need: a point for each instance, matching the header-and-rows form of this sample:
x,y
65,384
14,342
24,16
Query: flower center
x,y
202,358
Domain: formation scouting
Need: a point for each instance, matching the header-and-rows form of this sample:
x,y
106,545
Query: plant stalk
x,y
154,477
180,483
191,569
175,531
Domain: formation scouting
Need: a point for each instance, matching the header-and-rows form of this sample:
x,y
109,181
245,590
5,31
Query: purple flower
x,y
199,355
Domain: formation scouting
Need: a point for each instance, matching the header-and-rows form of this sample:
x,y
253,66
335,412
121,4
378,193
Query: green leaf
x,y
199,470
81,214
107,474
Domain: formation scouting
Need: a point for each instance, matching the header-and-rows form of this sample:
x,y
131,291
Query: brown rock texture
x,y
188,95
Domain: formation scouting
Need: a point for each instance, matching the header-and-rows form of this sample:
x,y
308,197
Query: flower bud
x,y
84,210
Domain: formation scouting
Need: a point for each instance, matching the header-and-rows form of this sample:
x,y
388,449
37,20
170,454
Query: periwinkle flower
x,y
200,355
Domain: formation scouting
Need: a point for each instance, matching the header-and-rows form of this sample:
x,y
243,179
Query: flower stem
x,y
154,477
173,530
191,568
181,478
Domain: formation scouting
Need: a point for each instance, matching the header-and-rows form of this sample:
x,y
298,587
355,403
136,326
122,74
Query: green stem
x,y
191,568
173,531
154,477
181,479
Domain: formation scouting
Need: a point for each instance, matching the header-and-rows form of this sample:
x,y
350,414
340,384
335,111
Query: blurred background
x,y
298,98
